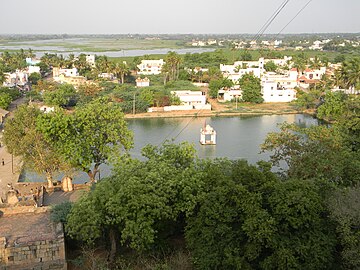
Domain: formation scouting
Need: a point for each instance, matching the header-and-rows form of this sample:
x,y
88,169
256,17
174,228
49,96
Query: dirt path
x,y
10,166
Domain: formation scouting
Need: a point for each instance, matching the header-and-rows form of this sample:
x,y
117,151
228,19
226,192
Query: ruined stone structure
x,y
31,241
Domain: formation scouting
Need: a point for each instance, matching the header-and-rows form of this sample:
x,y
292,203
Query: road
x,y
11,168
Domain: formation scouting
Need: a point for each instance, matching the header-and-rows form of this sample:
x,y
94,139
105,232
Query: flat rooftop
x,y
29,227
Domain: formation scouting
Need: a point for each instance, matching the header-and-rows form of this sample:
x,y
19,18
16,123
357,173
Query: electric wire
x,y
296,15
272,18
256,35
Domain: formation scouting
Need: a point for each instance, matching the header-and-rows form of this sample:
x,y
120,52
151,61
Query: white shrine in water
x,y
207,135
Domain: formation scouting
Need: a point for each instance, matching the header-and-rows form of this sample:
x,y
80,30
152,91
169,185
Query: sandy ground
x,y
10,170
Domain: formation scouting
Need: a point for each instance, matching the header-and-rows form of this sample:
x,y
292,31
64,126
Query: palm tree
x,y
121,70
173,60
30,53
349,73
316,63
354,73
103,64
2,77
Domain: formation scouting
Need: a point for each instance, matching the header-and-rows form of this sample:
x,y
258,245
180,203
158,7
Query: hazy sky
x,y
170,16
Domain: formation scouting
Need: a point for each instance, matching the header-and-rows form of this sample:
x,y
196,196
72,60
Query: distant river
x,y
237,137
41,50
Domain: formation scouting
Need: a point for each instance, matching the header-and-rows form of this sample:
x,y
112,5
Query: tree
x,y
251,88
2,77
65,95
216,85
34,78
309,153
90,136
245,56
308,100
246,218
300,62
344,207
5,100
120,70
23,138
333,107
171,66
315,63
271,66
339,58
349,73
137,203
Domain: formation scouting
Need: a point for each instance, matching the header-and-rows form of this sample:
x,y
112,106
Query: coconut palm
x,y
172,61
2,77
349,73
121,70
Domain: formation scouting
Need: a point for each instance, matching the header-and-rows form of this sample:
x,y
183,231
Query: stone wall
x,y
31,241
44,255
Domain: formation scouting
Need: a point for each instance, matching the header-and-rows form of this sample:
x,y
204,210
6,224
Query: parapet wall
x,y
44,255
31,241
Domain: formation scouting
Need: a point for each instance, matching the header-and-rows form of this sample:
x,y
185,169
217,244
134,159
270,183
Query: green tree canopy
x,y
23,138
247,219
251,88
64,96
140,200
90,136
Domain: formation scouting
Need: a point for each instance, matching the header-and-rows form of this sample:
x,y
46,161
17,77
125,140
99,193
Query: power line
x,y
255,37
297,14
270,20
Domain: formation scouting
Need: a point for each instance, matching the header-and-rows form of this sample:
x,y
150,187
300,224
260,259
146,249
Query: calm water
x,y
41,50
237,137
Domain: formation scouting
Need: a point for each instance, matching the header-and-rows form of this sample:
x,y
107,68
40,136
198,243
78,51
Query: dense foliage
x,y
251,88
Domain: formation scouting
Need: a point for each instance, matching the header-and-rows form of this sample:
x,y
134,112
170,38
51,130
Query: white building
x,y
278,87
314,74
19,77
68,72
32,61
33,69
289,80
150,67
108,76
190,100
142,82
90,59
229,94
316,45
239,68
280,61
277,43
271,92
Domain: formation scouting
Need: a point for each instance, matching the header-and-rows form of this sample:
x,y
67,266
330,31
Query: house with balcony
x,y
150,67
310,76
17,78
273,92
239,68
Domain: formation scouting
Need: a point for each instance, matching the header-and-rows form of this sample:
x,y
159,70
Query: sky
x,y
175,16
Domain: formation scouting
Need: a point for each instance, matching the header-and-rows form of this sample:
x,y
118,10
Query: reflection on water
x,y
237,137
